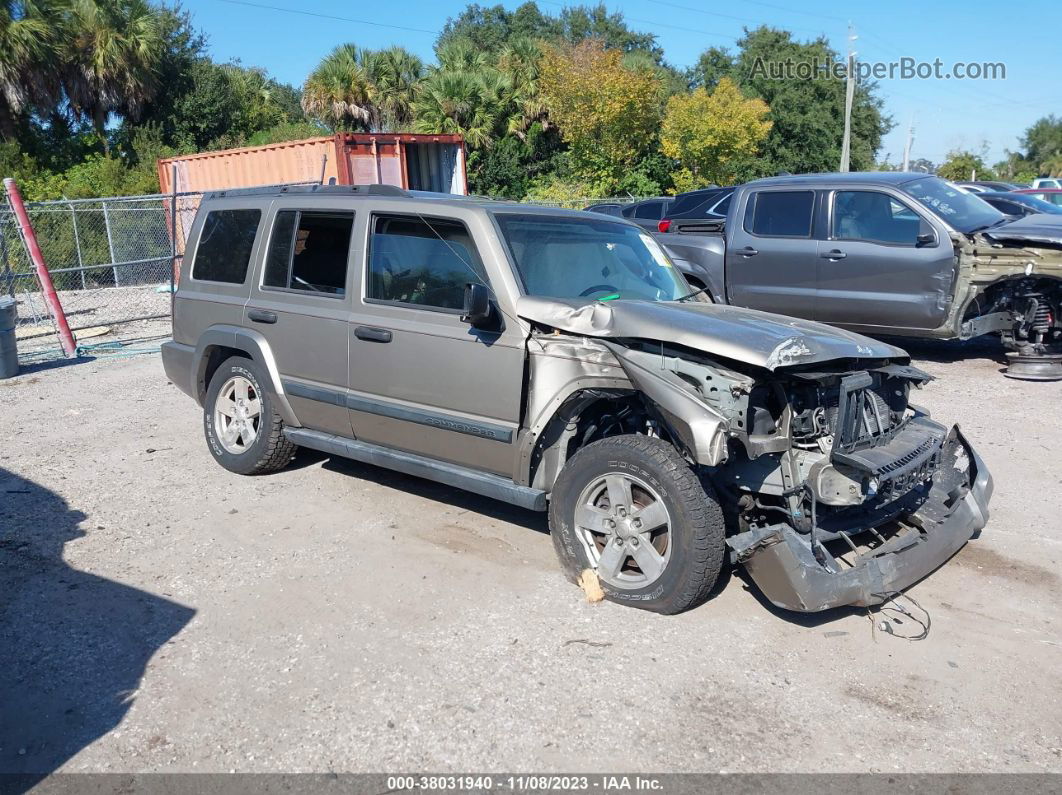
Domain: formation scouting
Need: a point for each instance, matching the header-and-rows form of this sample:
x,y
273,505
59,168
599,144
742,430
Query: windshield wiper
x,y
992,225
694,294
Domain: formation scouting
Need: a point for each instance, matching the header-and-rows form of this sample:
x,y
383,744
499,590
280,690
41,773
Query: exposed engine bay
x,y
836,489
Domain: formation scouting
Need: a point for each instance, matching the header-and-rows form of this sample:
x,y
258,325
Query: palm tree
x,y
458,102
114,52
520,62
340,91
30,51
396,72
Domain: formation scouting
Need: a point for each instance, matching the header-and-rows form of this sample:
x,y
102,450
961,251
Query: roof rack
x,y
279,190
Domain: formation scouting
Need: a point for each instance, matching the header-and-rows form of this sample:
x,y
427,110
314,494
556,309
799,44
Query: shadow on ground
x,y
428,489
73,646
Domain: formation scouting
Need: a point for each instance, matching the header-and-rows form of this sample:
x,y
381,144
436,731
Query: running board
x,y
482,483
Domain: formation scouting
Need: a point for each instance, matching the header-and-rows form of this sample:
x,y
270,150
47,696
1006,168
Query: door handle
x,y
262,316
748,251
834,255
370,334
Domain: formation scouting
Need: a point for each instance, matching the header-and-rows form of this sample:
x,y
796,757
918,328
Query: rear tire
x,y
243,431
631,508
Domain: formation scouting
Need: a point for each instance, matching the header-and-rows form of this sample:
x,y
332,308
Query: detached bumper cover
x,y
781,563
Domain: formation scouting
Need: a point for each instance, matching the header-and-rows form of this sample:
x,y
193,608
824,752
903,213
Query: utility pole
x,y
846,144
907,146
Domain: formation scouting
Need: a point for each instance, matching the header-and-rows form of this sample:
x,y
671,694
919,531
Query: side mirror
x,y
477,309
926,235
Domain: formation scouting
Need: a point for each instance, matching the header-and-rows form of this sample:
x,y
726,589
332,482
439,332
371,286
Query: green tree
x,y
396,72
114,53
460,102
1042,143
807,114
30,59
608,115
709,133
340,93
961,165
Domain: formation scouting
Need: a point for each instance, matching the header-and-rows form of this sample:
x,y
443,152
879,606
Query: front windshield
x,y
562,257
963,211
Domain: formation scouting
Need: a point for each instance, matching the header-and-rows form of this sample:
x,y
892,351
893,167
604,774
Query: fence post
x,y
66,339
110,241
9,275
77,245
173,238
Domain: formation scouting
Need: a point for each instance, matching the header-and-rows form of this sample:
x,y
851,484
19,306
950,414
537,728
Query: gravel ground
x,y
161,614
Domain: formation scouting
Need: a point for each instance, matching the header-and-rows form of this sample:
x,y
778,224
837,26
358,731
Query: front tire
x,y
631,508
243,431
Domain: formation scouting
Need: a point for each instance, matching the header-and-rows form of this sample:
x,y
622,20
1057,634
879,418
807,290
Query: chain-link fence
x,y
113,263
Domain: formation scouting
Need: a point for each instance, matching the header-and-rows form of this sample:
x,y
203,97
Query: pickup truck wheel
x,y
243,432
631,508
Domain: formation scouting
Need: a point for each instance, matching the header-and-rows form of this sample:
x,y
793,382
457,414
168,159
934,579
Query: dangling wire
x,y
895,606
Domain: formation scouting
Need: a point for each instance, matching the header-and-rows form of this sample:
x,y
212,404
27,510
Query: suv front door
x,y
771,254
874,271
422,379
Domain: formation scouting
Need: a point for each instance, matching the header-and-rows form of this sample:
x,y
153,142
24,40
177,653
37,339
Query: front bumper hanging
x,y
782,564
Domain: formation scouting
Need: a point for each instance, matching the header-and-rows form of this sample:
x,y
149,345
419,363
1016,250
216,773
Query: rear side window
x,y
650,210
781,214
225,244
422,261
308,251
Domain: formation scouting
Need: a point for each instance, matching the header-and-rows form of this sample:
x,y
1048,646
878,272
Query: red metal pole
x,y
45,278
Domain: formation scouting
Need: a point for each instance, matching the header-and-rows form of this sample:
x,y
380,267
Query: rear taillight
x,y
664,225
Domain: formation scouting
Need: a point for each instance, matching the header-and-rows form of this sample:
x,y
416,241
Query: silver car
x,y
554,360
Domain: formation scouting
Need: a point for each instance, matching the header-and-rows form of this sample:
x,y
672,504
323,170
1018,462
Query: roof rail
x,y
279,190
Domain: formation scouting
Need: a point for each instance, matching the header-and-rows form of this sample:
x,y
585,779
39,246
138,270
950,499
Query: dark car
x,y
1019,204
710,203
648,212
1052,195
605,209
983,186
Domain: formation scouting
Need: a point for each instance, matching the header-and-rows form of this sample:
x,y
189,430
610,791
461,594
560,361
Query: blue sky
x,y
946,113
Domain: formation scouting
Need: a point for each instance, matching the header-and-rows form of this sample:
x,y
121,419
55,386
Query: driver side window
x,y
421,261
873,217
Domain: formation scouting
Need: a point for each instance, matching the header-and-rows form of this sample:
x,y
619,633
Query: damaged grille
x,y
857,410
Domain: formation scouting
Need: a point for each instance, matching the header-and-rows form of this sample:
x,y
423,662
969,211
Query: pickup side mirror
x,y
477,308
926,235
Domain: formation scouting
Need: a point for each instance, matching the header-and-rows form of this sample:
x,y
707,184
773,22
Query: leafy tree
x,y
961,165
340,92
807,114
714,64
579,23
707,133
1042,143
489,30
607,114
514,164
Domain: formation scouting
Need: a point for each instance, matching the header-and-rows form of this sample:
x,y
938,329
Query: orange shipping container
x,y
415,162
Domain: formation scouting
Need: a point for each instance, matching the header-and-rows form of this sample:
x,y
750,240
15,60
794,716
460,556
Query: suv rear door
x,y
771,251
422,379
300,302
873,271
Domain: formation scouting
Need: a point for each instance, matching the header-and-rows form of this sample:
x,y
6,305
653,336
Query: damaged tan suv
x,y
555,360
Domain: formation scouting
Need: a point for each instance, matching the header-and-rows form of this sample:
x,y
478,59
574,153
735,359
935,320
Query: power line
x,y
728,16
329,16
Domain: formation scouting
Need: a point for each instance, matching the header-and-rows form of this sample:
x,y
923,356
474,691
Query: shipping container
x,y
405,160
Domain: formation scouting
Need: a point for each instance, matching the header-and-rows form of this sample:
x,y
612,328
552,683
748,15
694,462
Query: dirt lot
x,y
159,613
